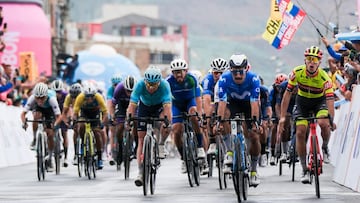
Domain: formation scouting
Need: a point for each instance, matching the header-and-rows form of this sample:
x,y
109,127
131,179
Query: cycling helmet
x,y
238,61
219,65
57,85
178,64
75,90
281,77
129,83
115,79
152,74
313,51
40,90
90,90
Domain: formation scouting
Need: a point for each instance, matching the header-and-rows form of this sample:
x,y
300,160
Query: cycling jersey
x,y
208,85
310,87
185,91
161,96
264,101
249,90
96,105
110,93
51,102
61,99
69,101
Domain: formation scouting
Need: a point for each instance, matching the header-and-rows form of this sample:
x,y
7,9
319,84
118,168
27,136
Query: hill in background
x,y
219,28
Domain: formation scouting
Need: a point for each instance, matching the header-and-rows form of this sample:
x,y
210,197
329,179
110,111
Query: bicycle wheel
x,y
237,178
210,160
244,174
155,162
316,166
293,161
79,156
146,164
93,156
187,156
57,151
40,159
87,156
195,159
220,153
127,142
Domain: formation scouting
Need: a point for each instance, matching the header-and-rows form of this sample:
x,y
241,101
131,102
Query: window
x,y
161,58
138,31
157,31
126,31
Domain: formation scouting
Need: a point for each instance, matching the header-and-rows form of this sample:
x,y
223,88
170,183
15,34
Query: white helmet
x,y
90,90
219,65
129,83
57,85
40,90
238,61
178,64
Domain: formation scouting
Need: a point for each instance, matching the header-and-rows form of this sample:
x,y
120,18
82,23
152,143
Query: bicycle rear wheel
x,y
146,164
244,173
210,160
316,166
127,142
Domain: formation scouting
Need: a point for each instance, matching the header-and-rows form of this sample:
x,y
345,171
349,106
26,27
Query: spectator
x,y
5,87
69,71
350,75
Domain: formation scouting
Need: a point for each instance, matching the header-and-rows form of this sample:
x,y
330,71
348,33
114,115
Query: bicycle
x,y
41,147
241,163
314,157
218,156
190,151
86,151
150,151
58,150
124,150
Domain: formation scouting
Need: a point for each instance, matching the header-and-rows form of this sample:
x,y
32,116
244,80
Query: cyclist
x,y
218,66
275,96
91,105
152,97
44,104
115,80
68,105
186,97
117,108
315,94
58,87
265,114
239,92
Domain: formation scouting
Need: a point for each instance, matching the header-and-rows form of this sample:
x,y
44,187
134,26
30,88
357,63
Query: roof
x,y
136,19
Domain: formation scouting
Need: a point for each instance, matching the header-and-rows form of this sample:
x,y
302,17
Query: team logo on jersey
x,y
327,85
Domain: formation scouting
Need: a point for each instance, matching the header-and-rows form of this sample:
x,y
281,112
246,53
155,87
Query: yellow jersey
x,y
315,86
98,103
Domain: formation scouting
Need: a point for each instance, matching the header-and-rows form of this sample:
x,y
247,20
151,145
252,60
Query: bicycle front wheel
x,y
57,151
220,153
237,176
146,164
316,166
195,159
40,155
127,142
155,162
188,160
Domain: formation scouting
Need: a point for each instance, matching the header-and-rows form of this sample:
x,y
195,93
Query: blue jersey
x,y
249,90
208,85
161,96
110,93
185,91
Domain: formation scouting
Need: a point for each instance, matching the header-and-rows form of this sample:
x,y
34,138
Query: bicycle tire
x,y
220,162
244,173
94,160
79,157
237,179
315,166
127,142
210,160
40,159
293,160
155,162
188,160
87,156
57,152
195,159
146,164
